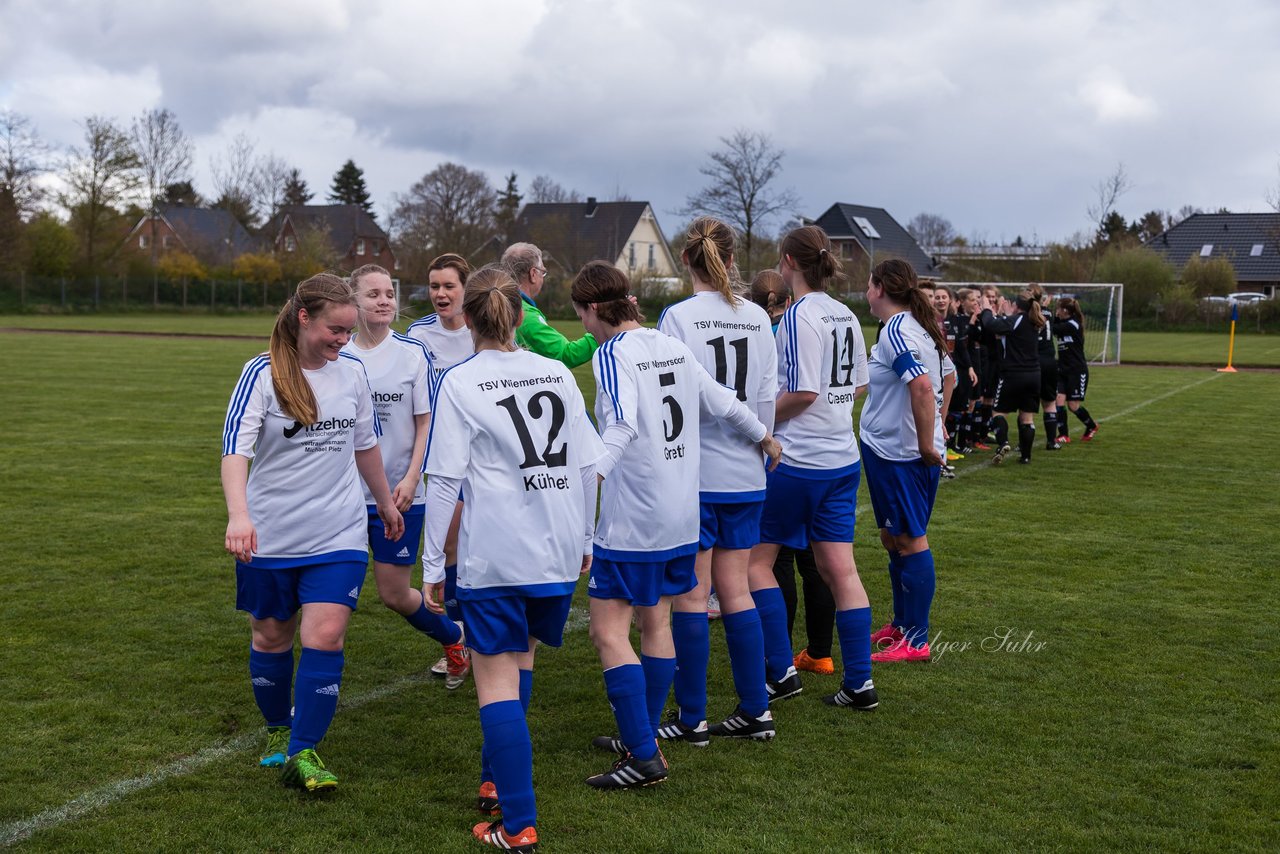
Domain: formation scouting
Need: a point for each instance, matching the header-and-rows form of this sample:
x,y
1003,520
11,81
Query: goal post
x,y
1101,304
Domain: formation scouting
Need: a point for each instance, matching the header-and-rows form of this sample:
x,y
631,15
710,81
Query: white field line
x,y
106,795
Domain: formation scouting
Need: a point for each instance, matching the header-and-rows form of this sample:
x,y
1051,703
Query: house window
x,y
1206,250
166,241
631,256
846,250
1256,251
375,248
396,265
143,241
290,243
653,262
360,246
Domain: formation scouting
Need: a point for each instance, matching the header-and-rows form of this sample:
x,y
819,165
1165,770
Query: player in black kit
x,y
1018,326
1073,368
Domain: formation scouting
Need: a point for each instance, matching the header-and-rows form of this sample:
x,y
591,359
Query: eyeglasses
x,y
542,270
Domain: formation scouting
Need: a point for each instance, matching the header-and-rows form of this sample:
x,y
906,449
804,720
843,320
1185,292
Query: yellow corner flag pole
x,y
1231,347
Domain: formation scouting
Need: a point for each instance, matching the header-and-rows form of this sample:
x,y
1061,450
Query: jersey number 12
x,y
549,458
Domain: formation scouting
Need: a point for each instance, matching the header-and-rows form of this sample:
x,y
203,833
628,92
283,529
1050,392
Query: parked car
x,y
1246,297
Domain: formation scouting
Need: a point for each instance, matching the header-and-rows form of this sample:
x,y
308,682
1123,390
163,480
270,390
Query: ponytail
x,y
1072,307
709,252
1033,295
293,392
606,286
898,279
810,249
491,301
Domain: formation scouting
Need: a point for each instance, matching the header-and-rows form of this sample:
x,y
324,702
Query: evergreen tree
x,y
506,208
349,189
296,191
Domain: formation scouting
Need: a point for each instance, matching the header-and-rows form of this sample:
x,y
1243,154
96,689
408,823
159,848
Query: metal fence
x,y
22,292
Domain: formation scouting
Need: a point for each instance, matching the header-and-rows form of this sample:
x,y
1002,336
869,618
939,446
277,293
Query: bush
x,y
1145,274
1215,277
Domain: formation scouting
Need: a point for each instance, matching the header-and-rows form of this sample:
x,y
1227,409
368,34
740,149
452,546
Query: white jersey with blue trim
x,y
652,384
400,374
513,427
905,351
304,493
446,347
820,350
735,345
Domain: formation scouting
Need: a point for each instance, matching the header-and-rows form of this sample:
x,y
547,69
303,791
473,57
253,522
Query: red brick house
x,y
354,235
212,235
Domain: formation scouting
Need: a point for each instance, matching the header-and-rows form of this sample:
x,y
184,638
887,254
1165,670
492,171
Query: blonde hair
x,y
1029,302
491,301
708,251
293,392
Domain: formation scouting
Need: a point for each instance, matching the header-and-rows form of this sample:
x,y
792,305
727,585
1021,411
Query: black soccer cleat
x,y
1052,445
742,725
784,689
999,456
862,700
674,730
631,773
609,744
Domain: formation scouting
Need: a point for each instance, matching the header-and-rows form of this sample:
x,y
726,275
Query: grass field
x,y
1132,703
1186,348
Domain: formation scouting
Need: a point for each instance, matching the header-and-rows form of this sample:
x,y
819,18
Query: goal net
x,y
1101,304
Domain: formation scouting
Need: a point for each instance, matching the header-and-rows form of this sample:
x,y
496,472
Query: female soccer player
x,y
509,428
448,342
296,519
769,291
1048,369
955,329
733,340
399,371
811,497
650,391
902,448
1073,368
1018,389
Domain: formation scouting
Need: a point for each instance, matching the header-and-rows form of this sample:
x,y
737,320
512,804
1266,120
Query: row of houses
x,y
628,234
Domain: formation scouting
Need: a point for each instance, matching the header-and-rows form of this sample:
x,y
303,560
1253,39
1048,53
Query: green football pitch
x,y
1105,672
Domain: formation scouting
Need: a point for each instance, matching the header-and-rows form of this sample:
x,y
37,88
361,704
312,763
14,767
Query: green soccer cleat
x,y
277,747
304,770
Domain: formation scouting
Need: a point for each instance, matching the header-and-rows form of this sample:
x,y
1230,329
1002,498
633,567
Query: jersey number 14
x,y
842,360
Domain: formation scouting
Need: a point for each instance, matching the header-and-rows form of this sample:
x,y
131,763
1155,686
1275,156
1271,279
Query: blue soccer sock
x,y
773,627
510,751
435,626
624,686
272,677
658,676
895,581
918,584
691,633
451,609
745,641
315,696
854,628
526,694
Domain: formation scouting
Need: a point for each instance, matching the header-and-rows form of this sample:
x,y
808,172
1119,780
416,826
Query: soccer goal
x,y
1101,304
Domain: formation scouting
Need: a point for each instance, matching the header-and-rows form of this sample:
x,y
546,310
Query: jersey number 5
x,y
549,458
672,432
842,360
739,346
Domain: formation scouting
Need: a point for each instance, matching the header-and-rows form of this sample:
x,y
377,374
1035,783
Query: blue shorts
x,y
729,526
799,511
401,552
641,583
279,593
902,493
505,623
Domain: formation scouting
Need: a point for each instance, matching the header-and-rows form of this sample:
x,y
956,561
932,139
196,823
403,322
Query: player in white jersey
x,y
400,373
811,498
733,340
509,428
448,342
650,390
903,444
296,520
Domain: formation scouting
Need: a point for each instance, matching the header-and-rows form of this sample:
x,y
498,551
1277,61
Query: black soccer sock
x,y
1062,423
1050,425
1000,425
984,420
1026,438
1083,415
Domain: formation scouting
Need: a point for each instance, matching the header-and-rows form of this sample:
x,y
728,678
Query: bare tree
x,y
164,157
273,184
449,210
23,158
1272,193
237,180
739,191
100,176
1108,192
546,190
932,230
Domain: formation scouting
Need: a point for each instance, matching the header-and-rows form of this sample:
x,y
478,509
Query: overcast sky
x,y
1000,116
